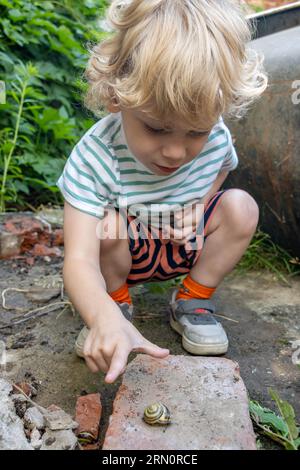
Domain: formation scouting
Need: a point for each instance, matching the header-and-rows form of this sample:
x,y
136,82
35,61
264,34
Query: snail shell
x,y
157,413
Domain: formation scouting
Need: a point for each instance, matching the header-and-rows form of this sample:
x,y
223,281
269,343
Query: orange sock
x,y
193,290
121,295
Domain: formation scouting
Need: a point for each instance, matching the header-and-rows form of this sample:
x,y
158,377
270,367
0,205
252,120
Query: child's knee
x,y
241,210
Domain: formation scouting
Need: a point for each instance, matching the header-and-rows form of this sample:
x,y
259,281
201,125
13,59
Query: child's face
x,y
162,150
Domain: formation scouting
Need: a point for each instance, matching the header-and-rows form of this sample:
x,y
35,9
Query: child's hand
x,y
109,343
185,225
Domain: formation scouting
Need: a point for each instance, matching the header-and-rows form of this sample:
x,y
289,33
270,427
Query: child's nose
x,y
174,152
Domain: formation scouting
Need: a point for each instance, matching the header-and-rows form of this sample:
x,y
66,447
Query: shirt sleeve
x,y
230,161
87,181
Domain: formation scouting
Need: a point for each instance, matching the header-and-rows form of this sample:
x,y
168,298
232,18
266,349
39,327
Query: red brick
x,y
88,415
205,395
43,250
23,233
58,237
22,224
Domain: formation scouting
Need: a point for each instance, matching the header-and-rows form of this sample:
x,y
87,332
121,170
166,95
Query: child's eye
x,y
155,131
198,134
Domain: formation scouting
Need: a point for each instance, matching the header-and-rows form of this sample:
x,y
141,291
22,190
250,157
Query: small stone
x,y
59,440
59,420
35,439
10,244
33,418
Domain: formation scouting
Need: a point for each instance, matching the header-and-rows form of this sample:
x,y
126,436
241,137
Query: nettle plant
x,y
43,52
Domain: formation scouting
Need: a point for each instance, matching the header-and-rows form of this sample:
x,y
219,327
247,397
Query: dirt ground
x,y
266,314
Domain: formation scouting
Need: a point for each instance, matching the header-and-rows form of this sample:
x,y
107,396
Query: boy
x,y
167,75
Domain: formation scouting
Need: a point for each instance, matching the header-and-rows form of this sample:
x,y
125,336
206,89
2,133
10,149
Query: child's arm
x,y
111,336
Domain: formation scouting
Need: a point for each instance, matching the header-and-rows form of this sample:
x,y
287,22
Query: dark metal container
x,y
267,139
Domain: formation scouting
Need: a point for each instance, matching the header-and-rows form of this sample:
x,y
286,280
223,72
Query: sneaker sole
x,y
196,348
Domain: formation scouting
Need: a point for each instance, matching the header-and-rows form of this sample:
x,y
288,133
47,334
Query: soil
x,y
41,350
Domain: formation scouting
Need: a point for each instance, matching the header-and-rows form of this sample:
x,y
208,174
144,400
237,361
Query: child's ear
x,y
113,107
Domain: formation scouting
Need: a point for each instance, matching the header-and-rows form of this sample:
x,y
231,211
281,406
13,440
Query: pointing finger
x,y
118,364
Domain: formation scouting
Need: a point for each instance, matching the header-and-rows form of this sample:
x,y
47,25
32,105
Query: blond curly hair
x,y
185,58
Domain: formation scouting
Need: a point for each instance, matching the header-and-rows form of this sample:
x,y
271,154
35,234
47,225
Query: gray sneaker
x,y
201,333
127,311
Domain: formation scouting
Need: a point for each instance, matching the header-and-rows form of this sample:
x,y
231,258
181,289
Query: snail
x,y
157,413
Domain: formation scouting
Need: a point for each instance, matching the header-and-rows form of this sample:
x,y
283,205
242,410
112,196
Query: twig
x,y
154,315
41,313
20,309
150,315
38,309
226,318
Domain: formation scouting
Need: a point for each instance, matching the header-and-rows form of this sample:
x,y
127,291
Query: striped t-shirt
x,y
101,171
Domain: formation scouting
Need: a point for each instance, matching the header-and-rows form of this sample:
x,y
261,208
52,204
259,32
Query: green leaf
x,y
288,414
268,417
20,186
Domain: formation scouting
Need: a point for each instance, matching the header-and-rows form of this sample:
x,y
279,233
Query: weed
x,y
282,429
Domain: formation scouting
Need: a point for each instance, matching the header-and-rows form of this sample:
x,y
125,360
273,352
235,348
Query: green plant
x,y
263,253
42,118
282,429
22,97
161,288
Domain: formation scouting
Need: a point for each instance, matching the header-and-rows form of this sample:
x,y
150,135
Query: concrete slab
x,y
12,436
206,397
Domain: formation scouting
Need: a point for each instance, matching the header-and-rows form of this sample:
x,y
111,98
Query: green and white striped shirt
x,y
101,171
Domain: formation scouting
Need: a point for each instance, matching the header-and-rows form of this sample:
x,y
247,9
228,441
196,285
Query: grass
x,y
264,254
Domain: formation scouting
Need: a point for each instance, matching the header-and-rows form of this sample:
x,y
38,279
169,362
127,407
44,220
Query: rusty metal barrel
x,y
267,139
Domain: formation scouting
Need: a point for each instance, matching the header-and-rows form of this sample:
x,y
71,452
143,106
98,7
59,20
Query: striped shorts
x,y
155,258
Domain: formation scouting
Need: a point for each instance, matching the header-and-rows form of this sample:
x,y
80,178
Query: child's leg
x,y
230,222
228,235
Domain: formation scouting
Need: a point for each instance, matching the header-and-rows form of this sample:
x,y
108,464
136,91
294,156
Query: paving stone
x,y
206,397
59,440
88,415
